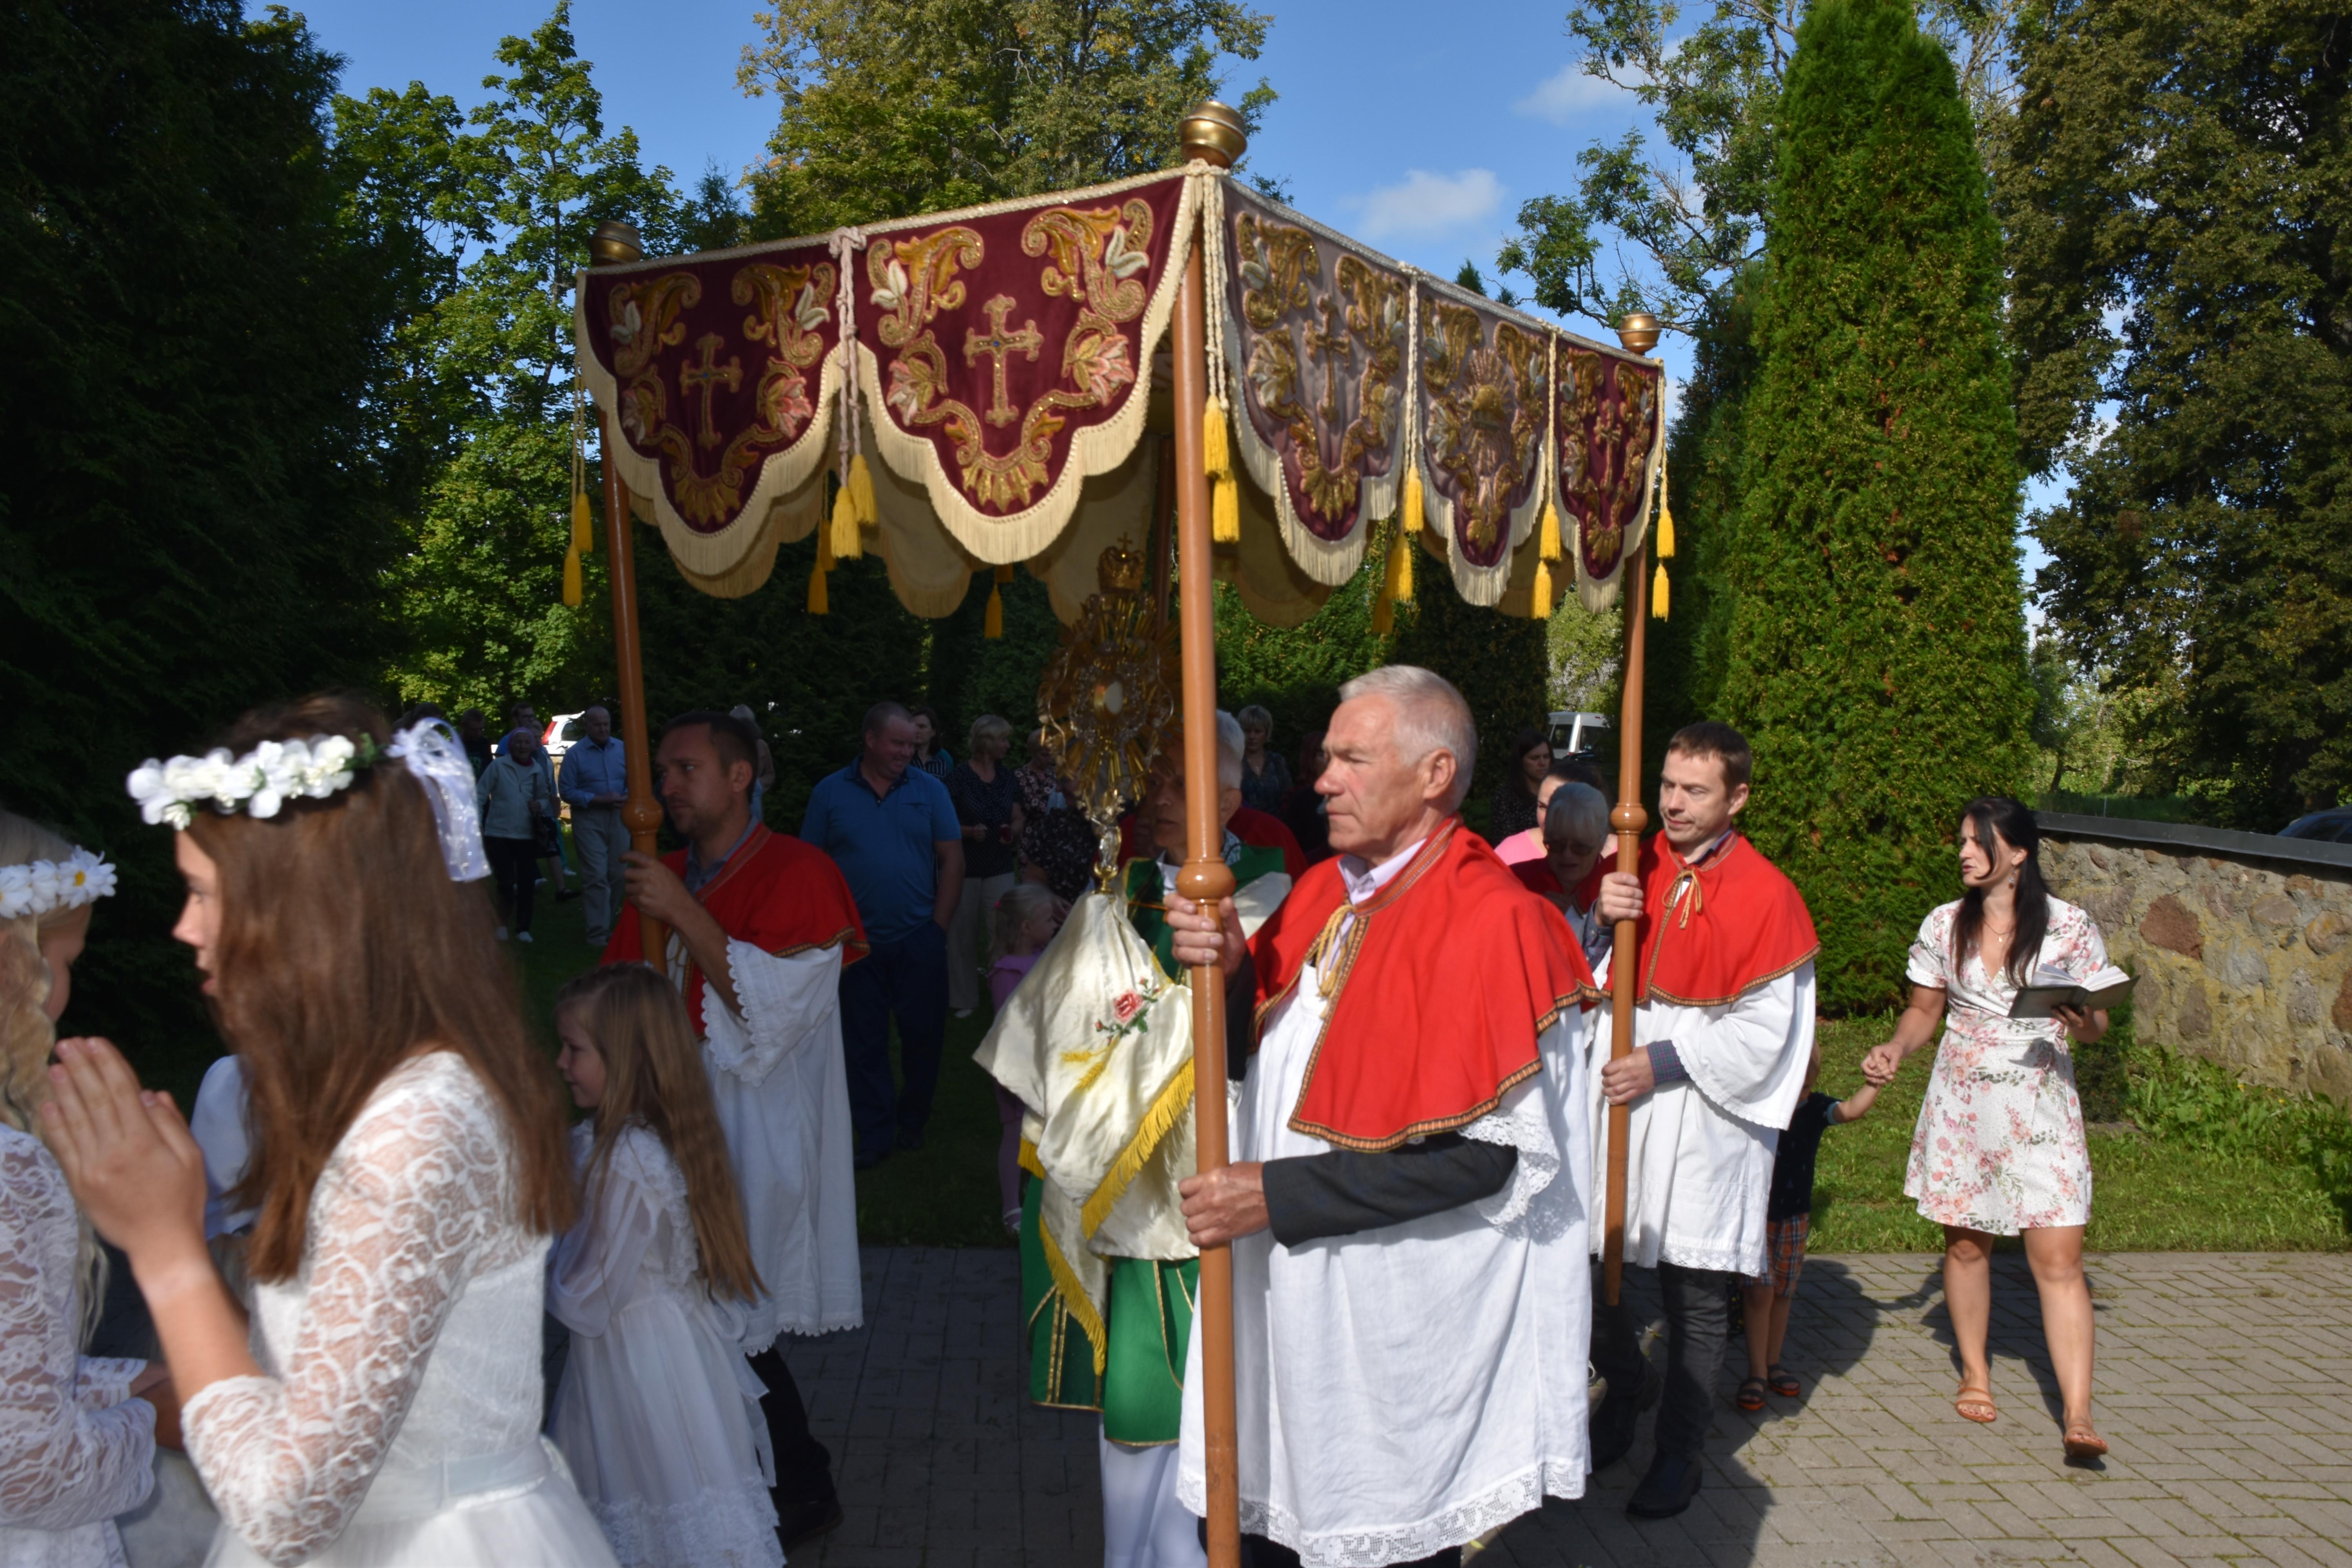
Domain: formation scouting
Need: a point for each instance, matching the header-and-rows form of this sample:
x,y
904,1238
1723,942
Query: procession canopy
x,y
1002,373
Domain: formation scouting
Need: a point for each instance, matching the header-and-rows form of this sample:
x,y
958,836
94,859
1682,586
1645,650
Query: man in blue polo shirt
x,y
893,832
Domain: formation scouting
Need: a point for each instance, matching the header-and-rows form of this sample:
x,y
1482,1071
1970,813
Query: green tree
x,y
891,108
204,496
1877,640
1296,672
2178,191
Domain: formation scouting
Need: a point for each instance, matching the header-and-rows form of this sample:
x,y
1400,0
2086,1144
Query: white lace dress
x,y
75,1448
657,1412
396,1421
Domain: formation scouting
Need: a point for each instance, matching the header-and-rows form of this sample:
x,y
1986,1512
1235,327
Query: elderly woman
x,y
1575,836
1265,777
1999,1148
515,796
987,799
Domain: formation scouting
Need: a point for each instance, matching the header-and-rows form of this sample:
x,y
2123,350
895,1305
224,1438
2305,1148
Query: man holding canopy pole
x,y
1408,1209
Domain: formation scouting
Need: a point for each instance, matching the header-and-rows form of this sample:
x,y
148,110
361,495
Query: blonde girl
x,y
1023,920
657,1412
76,1447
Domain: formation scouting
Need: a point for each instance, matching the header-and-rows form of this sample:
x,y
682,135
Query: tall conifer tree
x,y
1877,643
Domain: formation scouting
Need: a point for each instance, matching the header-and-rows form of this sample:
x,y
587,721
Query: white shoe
x,y
522,936
502,934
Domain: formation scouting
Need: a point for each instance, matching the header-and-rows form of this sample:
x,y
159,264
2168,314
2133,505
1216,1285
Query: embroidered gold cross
x,y
709,373
1330,343
997,344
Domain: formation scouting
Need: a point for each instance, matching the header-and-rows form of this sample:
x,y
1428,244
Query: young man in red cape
x,y
1407,1207
1721,1035
760,926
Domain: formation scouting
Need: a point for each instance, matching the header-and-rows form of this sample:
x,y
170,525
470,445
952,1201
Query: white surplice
x,y
1404,1389
1698,1167
782,1091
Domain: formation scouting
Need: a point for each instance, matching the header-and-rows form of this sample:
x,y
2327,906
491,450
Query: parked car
x,y
562,731
1572,733
2330,827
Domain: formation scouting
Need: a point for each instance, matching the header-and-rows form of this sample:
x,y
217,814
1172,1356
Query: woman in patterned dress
x,y
1999,1147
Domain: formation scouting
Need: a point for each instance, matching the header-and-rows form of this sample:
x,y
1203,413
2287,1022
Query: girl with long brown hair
x,y
407,1162
657,1412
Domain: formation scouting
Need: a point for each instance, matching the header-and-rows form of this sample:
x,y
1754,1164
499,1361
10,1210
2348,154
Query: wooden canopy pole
x,y
1213,132
642,814
1639,333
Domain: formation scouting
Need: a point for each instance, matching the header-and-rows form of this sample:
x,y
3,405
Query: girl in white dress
x,y
409,1162
76,1445
1999,1148
658,1413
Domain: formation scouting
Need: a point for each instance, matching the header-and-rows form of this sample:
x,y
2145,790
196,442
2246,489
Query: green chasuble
x,y
1148,1321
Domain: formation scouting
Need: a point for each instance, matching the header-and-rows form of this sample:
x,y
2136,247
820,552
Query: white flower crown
x,y
37,887
258,782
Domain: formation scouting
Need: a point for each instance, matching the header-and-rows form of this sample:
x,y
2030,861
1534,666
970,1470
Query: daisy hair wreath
x,y
38,887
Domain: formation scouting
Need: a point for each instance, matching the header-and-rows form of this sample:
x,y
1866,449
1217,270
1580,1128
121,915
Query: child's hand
x,y
1879,1068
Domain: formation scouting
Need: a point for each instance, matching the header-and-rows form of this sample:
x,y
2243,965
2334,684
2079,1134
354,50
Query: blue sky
x,y
1417,132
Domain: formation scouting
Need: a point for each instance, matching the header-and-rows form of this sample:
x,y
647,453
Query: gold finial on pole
x,y
1213,133
615,243
1638,331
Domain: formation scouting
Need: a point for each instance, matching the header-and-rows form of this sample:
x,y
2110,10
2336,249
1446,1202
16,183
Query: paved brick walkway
x,y
2222,1385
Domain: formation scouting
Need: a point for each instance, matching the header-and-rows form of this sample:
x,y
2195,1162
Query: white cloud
x,y
1569,92
1424,205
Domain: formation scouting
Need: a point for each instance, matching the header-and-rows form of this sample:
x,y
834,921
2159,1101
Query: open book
x,y
2053,989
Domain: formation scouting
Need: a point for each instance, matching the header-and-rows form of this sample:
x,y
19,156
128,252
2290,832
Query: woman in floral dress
x,y
2000,1149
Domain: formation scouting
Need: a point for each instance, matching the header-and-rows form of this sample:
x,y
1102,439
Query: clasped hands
x,y
129,1157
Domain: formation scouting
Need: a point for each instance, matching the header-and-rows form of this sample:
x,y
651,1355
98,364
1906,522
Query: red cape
x,y
1445,980
1258,830
1733,924
777,893
1536,876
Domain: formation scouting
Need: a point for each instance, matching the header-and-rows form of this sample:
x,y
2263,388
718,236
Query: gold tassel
x,y
819,603
1216,441
571,577
1658,594
861,494
1665,530
993,627
1409,517
584,539
1383,613
841,537
1399,586
1224,511
1548,548
1539,604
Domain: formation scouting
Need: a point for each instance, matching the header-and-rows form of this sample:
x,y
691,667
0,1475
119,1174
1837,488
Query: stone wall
x,y
2243,957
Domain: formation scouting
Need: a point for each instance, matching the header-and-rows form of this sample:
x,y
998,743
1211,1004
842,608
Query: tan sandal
x,y
1976,1405
2084,1442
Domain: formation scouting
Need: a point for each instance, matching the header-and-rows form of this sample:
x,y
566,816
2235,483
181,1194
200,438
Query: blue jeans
x,y
907,979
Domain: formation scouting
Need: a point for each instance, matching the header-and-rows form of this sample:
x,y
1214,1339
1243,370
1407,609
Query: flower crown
x,y
36,888
258,782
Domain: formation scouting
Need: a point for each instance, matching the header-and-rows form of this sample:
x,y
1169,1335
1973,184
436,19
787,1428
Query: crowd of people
x,y
408,1308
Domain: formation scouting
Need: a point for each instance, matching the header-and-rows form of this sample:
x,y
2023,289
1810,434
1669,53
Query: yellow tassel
x,y
1399,586
1216,441
841,537
861,492
571,577
1539,604
1409,517
819,603
1548,548
584,539
1383,613
1665,530
993,627
1658,594
1225,511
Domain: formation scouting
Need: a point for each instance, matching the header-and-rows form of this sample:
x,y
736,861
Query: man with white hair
x,y
1096,1043
1406,1205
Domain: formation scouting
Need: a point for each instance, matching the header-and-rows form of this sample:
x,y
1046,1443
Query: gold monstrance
x,y
1109,700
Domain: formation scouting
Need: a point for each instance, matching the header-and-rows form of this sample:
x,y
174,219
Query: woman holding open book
x,y
1999,1147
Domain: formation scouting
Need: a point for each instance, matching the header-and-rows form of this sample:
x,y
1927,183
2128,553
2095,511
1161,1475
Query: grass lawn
x,y
2148,1196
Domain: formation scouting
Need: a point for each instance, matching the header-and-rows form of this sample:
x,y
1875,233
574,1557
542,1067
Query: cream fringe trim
x,y
1168,1109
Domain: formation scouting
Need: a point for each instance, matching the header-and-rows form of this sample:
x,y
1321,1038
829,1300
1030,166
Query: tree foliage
x,y
2178,191
895,107
1877,654
201,404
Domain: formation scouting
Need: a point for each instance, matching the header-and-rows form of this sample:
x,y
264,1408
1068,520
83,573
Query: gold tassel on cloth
x,y
1224,493
1548,547
1658,594
1665,530
1409,516
572,593
1539,601
861,492
1400,574
820,602
583,538
841,536
993,626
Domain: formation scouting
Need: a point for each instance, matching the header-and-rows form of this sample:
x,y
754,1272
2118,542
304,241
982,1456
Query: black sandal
x,y
1752,1393
1783,1384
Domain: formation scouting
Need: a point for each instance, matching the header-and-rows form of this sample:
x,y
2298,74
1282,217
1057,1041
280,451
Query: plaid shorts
x,y
1784,1254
